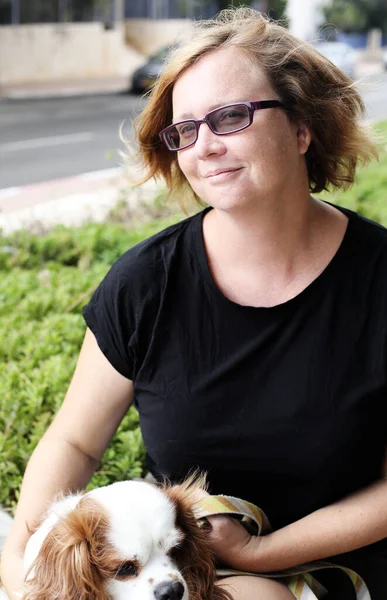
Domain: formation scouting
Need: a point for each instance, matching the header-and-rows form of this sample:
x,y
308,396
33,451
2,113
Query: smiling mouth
x,y
221,172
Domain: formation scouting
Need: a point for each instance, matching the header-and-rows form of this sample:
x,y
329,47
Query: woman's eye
x,y
128,569
187,129
231,115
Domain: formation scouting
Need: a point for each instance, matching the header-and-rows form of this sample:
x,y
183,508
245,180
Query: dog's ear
x,y
65,568
195,558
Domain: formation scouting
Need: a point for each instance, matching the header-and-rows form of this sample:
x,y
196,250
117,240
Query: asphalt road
x,y
49,139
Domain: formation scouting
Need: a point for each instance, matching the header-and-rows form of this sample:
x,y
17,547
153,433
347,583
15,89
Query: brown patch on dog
x,y
76,558
194,557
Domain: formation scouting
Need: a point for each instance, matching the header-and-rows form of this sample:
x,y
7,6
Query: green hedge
x,y
45,281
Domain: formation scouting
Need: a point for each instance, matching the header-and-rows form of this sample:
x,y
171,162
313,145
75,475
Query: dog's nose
x,y
169,591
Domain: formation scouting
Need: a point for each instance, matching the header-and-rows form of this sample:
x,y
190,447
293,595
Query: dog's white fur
x,y
141,525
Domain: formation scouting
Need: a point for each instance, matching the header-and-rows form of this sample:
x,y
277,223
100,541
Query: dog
x,y
130,540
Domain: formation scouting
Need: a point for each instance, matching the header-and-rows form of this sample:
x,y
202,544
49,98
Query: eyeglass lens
x,y
222,120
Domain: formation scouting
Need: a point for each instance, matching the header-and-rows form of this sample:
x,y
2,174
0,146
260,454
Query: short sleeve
x,y
124,309
110,316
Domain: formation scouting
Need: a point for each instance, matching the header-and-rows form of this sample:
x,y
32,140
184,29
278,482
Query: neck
x,y
270,235
268,260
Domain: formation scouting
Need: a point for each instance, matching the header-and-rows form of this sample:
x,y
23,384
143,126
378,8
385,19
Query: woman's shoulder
x,y
158,251
141,272
365,236
367,225
131,291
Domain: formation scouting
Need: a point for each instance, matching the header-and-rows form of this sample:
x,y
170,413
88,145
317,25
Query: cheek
x,y
185,164
280,152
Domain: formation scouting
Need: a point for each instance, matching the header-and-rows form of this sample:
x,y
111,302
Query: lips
x,y
221,171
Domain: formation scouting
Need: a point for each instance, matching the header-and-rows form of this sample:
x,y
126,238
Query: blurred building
x,y
54,11
305,18
170,9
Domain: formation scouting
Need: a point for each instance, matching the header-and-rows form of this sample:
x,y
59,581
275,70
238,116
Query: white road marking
x,y
46,142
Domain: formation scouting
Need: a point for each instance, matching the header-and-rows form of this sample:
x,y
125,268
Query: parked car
x,y
340,54
144,77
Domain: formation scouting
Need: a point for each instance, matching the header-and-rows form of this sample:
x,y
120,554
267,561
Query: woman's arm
x,y
354,522
70,450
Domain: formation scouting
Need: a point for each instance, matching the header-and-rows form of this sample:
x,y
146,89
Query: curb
x,y
63,89
71,201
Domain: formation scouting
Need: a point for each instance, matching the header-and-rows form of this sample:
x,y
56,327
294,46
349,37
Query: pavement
x,y
71,201
65,87
91,196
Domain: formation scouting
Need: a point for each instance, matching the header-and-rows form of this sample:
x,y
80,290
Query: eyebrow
x,y
185,116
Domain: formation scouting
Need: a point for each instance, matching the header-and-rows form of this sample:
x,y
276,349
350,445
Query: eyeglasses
x,y
222,121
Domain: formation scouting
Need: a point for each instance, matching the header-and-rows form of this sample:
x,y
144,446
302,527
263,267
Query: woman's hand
x,y
231,543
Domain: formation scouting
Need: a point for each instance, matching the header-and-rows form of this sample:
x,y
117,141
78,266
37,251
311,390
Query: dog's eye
x,y
174,552
127,569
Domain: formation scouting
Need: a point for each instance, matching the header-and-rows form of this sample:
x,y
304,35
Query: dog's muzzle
x,y
169,591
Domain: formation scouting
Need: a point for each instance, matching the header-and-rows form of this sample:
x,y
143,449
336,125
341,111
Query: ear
x,y
304,137
195,558
64,569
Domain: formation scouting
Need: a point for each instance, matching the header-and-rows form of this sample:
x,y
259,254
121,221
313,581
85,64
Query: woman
x,y
252,336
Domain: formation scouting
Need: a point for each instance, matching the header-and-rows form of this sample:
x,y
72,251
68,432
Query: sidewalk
x,y
71,201
368,67
62,88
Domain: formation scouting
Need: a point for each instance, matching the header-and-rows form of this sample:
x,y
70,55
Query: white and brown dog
x,y
131,540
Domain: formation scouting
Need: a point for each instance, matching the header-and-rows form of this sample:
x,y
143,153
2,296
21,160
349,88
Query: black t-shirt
x,y
283,406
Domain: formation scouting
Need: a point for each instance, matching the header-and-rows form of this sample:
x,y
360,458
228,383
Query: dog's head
x,y
127,541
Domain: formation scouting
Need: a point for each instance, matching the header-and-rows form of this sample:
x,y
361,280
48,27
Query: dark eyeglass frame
x,y
252,107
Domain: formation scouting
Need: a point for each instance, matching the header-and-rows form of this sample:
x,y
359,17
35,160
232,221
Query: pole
x,y
119,12
62,11
152,9
15,12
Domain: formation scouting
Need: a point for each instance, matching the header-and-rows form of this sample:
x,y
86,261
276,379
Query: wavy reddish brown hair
x,y
314,91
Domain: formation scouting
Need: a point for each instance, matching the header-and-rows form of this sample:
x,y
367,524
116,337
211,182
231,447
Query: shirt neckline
x,y
311,288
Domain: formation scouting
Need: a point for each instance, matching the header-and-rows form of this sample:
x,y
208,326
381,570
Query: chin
x,y
131,540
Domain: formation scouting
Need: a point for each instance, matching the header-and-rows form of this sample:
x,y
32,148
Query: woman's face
x,y
260,162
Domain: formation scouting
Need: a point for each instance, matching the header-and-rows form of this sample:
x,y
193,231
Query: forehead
x,y
220,77
133,529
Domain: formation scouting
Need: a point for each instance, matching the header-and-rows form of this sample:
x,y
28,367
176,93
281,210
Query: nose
x,y
169,591
208,142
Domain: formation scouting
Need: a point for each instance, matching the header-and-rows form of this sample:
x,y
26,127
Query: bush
x,y
45,281
368,197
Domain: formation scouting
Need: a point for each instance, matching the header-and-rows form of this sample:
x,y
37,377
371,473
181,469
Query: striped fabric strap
x,y
298,579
